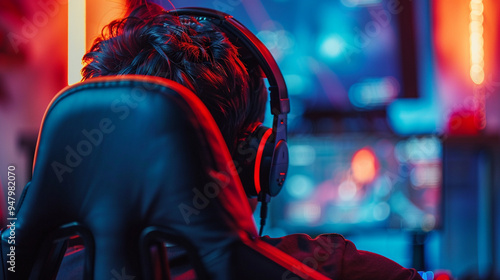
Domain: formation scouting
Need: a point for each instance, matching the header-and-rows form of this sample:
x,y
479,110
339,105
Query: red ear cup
x,y
262,166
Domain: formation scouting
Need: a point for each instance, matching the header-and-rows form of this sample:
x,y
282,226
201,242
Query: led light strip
x,y
476,41
76,39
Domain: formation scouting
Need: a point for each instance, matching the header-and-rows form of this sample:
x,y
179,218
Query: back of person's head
x,y
151,41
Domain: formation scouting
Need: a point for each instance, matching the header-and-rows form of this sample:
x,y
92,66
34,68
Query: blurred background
x,y
394,127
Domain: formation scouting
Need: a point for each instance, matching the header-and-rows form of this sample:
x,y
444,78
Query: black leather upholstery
x,y
119,156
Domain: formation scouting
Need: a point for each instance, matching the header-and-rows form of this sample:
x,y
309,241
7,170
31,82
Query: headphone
x,y
262,158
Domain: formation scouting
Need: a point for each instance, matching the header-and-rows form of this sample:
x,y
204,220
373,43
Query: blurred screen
x,y
339,55
350,183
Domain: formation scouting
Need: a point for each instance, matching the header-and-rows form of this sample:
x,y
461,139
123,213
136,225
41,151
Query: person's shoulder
x,y
323,253
300,242
302,236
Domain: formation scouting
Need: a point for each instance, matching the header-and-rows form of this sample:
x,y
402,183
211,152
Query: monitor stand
x,y
418,250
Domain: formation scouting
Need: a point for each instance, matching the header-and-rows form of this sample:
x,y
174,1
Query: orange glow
x,y
465,35
364,166
476,41
99,14
451,38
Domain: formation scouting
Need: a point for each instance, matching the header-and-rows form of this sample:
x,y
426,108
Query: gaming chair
x,y
130,163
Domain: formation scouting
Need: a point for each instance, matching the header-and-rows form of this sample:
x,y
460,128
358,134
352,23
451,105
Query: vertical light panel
x,y
76,39
476,31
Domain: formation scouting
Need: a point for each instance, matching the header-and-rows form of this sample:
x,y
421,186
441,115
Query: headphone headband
x,y
241,36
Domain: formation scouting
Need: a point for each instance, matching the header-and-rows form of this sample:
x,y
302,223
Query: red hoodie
x,y
338,258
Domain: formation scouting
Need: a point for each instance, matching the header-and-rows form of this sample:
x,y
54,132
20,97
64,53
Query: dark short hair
x,y
198,55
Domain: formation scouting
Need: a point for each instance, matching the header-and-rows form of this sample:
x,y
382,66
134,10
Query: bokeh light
x,y
364,166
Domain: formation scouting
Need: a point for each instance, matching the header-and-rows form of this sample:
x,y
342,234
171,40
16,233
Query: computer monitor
x,y
354,182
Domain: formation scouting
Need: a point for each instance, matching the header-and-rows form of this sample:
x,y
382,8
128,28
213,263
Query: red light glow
x,y
443,277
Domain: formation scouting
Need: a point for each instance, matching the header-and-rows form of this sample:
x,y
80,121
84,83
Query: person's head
x,y
198,55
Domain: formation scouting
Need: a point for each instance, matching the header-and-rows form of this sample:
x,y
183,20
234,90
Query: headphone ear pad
x,y
253,158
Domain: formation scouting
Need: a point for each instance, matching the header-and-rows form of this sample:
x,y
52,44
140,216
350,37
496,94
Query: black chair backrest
x,y
118,155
